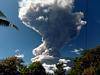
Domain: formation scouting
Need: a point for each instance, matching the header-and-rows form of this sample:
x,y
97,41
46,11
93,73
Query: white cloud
x,y
18,54
77,51
63,61
67,68
49,68
42,18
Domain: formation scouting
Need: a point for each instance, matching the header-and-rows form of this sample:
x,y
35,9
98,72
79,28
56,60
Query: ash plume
x,y
55,21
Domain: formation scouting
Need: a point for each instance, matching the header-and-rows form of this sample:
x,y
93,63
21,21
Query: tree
x,y
88,63
9,66
60,70
23,70
2,14
36,68
4,22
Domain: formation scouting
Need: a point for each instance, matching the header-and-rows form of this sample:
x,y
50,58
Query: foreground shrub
x,y
36,68
88,63
9,66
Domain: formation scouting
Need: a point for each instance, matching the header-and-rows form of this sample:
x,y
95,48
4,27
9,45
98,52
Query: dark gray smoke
x,y
54,21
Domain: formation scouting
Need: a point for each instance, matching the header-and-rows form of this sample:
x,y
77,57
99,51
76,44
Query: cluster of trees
x,y
88,63
15,66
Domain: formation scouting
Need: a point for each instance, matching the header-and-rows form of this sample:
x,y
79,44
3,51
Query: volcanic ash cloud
x,y
55,21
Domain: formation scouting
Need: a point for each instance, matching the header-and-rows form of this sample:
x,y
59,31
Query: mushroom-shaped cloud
x,y
55,21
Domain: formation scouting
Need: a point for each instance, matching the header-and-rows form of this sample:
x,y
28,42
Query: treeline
x,y
87,64
16,66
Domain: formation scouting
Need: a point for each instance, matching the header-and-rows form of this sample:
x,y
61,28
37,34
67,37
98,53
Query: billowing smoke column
x,y
55,21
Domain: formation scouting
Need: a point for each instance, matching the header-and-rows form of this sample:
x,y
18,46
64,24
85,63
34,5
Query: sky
x,y
26,39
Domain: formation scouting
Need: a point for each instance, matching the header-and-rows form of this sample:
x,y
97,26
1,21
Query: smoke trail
x,y
54,21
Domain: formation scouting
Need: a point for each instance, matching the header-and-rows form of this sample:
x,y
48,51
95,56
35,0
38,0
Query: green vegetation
x,y
88,63
36,68
60,70
9,66
15,66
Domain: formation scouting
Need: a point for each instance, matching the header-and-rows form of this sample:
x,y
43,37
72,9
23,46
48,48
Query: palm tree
x,y
4,22
2,14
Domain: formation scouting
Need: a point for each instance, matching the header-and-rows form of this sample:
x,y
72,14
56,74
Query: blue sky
x,y
26,39
10,40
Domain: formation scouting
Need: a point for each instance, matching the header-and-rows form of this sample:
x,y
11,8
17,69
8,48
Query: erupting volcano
x,y
55,21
